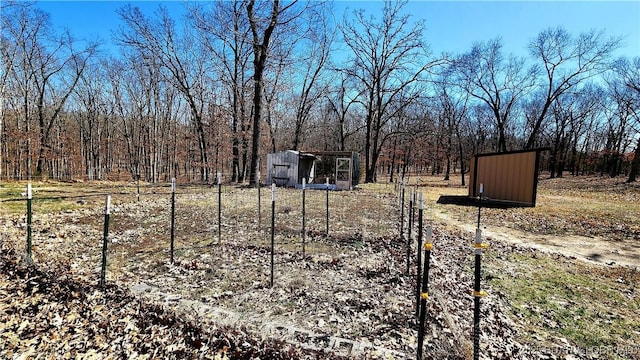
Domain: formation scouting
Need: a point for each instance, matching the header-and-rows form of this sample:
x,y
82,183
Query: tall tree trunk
x,y
255,138
260,53
367,151
406,156
393,160
635,164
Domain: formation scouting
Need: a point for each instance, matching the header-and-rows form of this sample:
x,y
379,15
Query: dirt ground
x,y
590,218
349,294
594,250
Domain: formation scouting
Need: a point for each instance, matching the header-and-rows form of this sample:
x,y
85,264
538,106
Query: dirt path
x,y
594,250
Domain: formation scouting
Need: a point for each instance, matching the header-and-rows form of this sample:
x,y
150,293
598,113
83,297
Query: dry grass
x,y
551,297
584,206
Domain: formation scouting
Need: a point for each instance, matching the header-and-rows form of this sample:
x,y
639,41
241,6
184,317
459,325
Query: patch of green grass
x,y
54,205
558,299
48,198
377,187
13,207
11,201
11,190
43,206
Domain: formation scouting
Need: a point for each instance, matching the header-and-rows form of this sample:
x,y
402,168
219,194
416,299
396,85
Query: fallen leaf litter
x,y
349,297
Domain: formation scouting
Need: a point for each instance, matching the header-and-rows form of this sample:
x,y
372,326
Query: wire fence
x,y
211,214
288,223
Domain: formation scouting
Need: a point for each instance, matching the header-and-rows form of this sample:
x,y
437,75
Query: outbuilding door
x,y
343,174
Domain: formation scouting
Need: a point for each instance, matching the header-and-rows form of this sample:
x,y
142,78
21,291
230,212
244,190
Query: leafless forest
x,y
233,80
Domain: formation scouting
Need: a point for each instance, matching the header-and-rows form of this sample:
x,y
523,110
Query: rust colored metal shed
x,y
509,177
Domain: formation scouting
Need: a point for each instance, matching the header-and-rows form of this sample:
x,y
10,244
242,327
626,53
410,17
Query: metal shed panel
x,y
506,176
283,168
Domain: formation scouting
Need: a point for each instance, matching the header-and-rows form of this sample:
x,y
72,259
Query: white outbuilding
x,y
288,168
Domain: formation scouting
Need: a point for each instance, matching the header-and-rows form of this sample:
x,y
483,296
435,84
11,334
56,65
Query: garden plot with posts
x,y
347,295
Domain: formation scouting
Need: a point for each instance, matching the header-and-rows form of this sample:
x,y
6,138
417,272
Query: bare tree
x,y
263,22
183,60
624,90
567,62
142,106
621,117
340,105
410,127
47,67
389,58
225,31
280,79
496,82
629,74
317,40
589,113
127,82
91,114
8,54
570,113
452,109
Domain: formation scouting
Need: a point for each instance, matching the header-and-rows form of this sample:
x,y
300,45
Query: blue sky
x,y
452,26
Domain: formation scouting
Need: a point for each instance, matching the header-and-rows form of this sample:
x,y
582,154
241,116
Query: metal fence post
x,y
402,210
259,201
327,186
304,232
419,261
479,247
219,177
29,200
273,223
411,195
105,236
173,213
424,294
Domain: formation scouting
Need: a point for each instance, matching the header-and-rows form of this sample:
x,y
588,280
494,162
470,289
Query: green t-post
x,y
304,235
402,211
327,186
173,214
411,204
273,224
419,260
29,200
259,201
105,236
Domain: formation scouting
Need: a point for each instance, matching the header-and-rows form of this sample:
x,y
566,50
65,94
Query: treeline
x,y
231,81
